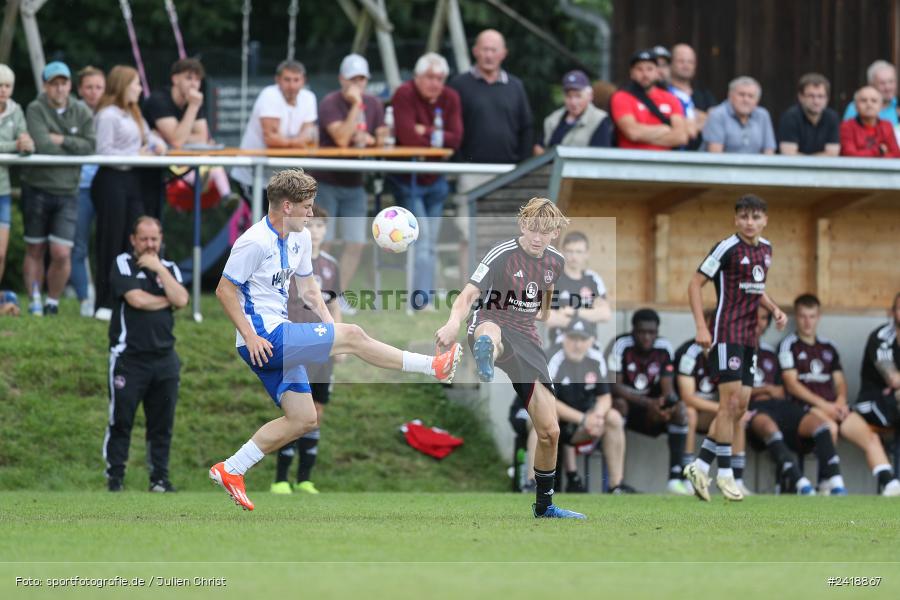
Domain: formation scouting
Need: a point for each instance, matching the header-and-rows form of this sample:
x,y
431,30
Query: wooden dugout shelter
x,y
834,222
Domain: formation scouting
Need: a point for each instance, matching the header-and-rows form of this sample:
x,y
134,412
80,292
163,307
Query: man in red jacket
x,y
866,134
417,104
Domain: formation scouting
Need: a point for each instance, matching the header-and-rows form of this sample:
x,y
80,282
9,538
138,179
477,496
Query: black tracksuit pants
x,y
151,379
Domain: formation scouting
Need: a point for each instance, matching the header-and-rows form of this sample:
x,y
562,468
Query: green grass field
x,y
421,545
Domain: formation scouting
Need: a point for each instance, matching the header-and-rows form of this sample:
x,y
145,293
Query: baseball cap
x,y
56,69
641,56
662,52
580,328
354,65
575,80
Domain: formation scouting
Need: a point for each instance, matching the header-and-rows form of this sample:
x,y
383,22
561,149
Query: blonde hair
x,y
543,215
7,75
120,77
293,185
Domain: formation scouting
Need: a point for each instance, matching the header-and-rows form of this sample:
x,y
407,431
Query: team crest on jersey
x,y
295,248
734,363
758,273
828,355
531,290
119,382
816,367
321,329
641,381
706,385
768,260
632,367
326,272
653,369
548,276
768,365
590,378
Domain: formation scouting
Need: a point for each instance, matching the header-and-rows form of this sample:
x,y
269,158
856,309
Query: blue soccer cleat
x,y
838,491
483,349
555,512
806,490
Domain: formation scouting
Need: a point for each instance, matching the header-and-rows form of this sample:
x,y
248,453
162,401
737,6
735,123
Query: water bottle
x,y
391,139
437,132
361,129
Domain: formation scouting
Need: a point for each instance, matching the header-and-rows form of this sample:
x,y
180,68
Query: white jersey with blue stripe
x,y
261,265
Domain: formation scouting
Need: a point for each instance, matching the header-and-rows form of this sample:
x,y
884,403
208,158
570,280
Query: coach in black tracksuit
x,y
143,365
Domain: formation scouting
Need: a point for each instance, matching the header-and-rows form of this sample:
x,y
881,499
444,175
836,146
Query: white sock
x,y
725,473
417,363
243,459
52,301
702,465
836,481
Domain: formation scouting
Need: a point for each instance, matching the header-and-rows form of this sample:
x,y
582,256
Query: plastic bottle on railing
x,y
437,131
361,130
390,139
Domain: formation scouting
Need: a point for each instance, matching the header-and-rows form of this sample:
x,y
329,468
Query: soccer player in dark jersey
x,y
327,274
580,292
879,392
644,390
813,374
738,266
511,288
584,406
780,425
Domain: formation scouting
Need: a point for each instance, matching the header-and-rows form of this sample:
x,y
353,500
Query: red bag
x,y
430,440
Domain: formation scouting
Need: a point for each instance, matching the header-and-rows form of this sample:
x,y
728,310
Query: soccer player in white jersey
x,y
253,291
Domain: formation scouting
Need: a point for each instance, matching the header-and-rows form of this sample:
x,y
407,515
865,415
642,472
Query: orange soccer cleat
x,y
445,364
233,484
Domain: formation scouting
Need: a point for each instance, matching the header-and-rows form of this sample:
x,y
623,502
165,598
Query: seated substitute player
x,y
513,286
697,390
780,425
584,406
738,266
253,291
644,390
581,293
879,392
813,374
328,278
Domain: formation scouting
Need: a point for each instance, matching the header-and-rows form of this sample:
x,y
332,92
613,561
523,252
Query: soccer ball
x,y
394,229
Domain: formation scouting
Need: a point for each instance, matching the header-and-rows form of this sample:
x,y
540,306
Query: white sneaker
x,y
729,488
87,308
677,487
699,481
103,314
891,489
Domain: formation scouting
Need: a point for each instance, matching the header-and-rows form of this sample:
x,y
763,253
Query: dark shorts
x,y
732,362
49,217
639,421
523,361
787,416
877,409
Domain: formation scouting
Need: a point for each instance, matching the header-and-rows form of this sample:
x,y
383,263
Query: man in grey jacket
x,y
60,125
579,122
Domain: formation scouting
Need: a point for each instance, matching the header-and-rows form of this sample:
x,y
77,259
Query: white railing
x,y
258,164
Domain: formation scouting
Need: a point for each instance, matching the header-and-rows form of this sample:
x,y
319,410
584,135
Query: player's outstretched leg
x,y
299,418
352,339
542,408
486,349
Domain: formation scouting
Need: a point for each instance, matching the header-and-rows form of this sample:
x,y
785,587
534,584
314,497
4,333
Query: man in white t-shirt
x,y
253,291
284,116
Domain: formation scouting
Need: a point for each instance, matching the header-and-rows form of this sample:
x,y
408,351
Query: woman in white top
x,y
115,191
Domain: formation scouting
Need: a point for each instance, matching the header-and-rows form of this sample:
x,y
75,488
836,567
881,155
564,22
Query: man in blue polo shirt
x,y
740,124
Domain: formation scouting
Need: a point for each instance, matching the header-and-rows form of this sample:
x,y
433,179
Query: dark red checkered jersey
x,y
815,364
642,371
512,283
328,276
767,370
739,272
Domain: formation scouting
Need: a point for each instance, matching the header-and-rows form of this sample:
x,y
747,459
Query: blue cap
x,y
8,297
56,69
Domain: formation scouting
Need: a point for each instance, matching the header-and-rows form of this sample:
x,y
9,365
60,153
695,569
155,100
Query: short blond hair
x,y
293,185
7,75
543,215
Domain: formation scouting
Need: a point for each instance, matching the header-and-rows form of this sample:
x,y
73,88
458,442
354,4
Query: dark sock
x,y
738,462
285,455
787,466
723,456
544,493
884,477
829,462
307,446
677,435
571,476
708,450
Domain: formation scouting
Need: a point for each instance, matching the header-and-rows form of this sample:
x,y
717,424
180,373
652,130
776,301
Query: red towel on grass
x,y
430,440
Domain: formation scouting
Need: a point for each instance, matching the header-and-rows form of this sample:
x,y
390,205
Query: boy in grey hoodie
x,y
60,125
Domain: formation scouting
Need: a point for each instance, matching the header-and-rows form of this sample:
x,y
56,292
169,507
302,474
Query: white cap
x,y
354,65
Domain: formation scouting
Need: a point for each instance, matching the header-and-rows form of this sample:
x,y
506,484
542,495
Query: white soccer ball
x,y
394,229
